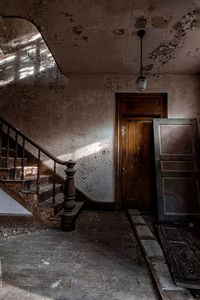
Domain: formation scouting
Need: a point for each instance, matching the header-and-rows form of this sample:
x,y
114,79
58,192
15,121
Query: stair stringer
x,y
30,202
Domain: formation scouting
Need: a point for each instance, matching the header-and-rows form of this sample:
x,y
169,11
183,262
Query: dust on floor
x,y
99,260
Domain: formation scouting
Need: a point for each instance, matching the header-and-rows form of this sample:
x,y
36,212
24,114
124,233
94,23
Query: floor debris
x,y
97,261
44,262
11,231
55,284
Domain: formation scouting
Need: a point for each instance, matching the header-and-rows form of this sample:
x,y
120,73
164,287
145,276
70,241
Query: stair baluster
x,y
54,185
7,146
15,157
23,155
38,174
1,134
69,197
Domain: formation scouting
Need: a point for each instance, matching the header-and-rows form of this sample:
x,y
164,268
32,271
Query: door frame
x,y
119,98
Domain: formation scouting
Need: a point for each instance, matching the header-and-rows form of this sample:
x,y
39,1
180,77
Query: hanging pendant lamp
x,y
141,82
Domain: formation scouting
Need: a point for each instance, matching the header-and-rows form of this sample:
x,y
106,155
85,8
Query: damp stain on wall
x,y
77,29
68,14
168,50
152,5
140,22
84,38
159,22
192,53
148,68
119,31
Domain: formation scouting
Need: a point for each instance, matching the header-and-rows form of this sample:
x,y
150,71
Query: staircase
x,y
49,197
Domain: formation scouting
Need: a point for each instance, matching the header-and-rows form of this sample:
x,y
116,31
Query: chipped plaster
x,y
141,22
74,116
80,33
169,49
159,22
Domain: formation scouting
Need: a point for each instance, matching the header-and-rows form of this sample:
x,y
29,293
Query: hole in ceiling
x,y
24,51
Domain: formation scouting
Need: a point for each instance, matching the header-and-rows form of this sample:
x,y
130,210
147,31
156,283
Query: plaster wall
x,y
74,117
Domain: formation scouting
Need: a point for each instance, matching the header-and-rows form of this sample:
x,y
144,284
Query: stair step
x,y
18,220
9,161
7,173
59,200
28,171
45,191
4,173
58,216
11,152
30,181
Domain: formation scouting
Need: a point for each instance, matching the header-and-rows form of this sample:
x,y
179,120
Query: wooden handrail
x,y
47,153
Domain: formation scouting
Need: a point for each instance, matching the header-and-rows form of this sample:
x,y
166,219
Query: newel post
x,y
69,197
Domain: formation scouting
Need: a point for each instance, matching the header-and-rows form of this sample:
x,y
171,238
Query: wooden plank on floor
x,y
152,250
157,263
134,212
144,232
137,219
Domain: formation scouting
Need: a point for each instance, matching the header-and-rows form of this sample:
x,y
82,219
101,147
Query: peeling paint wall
x,y
74,117
89,37
168,50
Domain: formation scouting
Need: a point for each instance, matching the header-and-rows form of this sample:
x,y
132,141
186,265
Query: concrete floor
x,y
99,260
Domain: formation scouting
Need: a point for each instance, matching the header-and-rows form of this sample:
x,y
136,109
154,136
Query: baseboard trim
x,y
18,220
90,204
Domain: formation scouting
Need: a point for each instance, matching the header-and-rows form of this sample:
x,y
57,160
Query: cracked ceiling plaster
x,y
100,36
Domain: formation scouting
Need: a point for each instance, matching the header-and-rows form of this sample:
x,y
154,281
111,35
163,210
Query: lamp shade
x,y
141,83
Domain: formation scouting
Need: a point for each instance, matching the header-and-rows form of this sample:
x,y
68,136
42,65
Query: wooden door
x,y
138,184
135,149
177,168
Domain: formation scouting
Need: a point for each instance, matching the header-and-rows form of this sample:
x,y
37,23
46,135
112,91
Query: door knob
x,y
124,171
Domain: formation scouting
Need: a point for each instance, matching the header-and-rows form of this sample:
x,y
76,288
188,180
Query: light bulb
x,y
141,83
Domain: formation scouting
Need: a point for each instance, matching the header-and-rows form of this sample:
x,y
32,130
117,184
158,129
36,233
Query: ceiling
x,y
100,36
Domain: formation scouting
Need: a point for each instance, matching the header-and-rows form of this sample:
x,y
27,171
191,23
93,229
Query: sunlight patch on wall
x,y
82,152
24,56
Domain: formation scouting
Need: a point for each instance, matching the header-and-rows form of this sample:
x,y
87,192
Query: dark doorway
x,y
135,169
